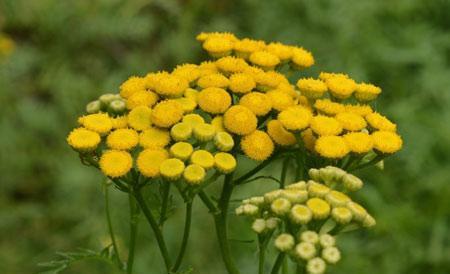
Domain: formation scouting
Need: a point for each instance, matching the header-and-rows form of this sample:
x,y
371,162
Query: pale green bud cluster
x,y
112,103
336,178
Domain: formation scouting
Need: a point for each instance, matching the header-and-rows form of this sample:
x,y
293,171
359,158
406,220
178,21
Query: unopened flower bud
x,y
299,185
272,223
309,236
250,210
326,240
280,206
327,175
380,165
284,242
269,197
317,190
341,215
107,98
93,107
314,174
316,266
300,214
295,195
359,213
257,201
351,182
369,221
331,254
204,132
305,250
117,106
336,198
259,225
337,172
239,210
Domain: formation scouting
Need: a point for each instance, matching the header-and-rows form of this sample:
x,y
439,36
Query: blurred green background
x,y
69,52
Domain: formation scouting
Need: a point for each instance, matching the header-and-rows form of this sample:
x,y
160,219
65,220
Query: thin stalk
x,y
262,254
134,220
221,224
300,269
110,227
284,170
208,203
253,171
371,162
278,263
165,202
154,225
186,233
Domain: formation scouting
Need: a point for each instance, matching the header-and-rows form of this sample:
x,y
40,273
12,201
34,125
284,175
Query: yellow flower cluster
x,y
199,117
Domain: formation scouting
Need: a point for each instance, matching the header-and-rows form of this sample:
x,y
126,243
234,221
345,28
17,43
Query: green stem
x,y
284,170
300,269
134,220
220,221
371,162
278,263
165,202
255,170
110,227
154,225
184,242
208,203
262,254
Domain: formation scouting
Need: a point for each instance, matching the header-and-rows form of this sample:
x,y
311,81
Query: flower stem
x,y
184,242
284,170
255,170
278,263
110,227
154,225
262,254
165,202
134,220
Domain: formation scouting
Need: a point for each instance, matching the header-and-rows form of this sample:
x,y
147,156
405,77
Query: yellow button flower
x,y
359,213
279,134
98,122
280,100
367,92
193,119
351,121
202,158
204,132
243,48
223,141
257,145
171,169
142,98
181,150
362,110
283,52
309,140
149,161
181,131
380,122
122,139
224,162
154,138
386,141
323,125
139,118
301,58
167,113
214,100
359,142
326,106
342,215
231,64
82,139
240,120
264,59
214,80
194,174
331,147
217,123
300,214
218,46
115,163
337,198
341,87
312,88
242,83
187,104
259,103
189,72
319,208
119,122
295,118
131,86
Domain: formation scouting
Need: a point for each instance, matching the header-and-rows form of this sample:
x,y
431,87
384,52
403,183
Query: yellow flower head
x,y
218,46
194,174
300,214
191,93
245,47
181,131
295,118
257,145
283,52
367,92
224,162
98,122
187,104
319,208
149,161
171,86
215,80
351,121
171,169
331,147
359,213
217,123
341,87
152,79
242,83
317,190
181,150
122,139
268,80
205,35
189,72
362,110
326,106
240,120
214,100
337,198
280,99
264,59
223,141
311,88
139,118
131,86
204,132
154,138
115,163
259,103
327,75
82,139
342,215
167,113
231,64
301,58
358,142
142,98
386,141
279,134
324,125
202,158
380,122
207,67
193,119
119,122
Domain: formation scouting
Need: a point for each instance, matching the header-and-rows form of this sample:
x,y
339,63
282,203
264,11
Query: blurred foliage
x,y
69,52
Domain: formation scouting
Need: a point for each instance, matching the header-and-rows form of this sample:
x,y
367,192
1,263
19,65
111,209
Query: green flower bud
x,y
93,107
326,240
301,185
331,255
269,197
300,214
305,251
317,190
309,236
314,174
259,226
369,221
284,242
117,106
107,98
351,182
280,206
341,215
257,201
316,266
272,223
295,196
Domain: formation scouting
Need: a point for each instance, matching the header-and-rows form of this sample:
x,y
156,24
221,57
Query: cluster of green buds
x,y
111,103
306,216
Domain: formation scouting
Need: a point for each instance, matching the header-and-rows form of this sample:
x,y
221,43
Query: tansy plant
x,y
181,131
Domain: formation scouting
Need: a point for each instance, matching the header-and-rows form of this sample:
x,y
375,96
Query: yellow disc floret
x,y
380,122
181,150
231,64
324,125
242,83
98,122
359,142
171,169
154,138
122,139
386,141
264,59
115,163
181,131
139,118
142,98
194,174
131,86
149,161
295,118
367,92
257,145
326,106
301,58
204,132
331,147
224,162
312,88
214,80
82,139
223,141
218,46
167,113
279,134
202,158
341,87
214,100
193,119
245,47
319,208
283,52
259,103
240,120
351,121
280,100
